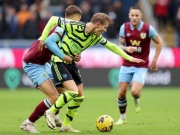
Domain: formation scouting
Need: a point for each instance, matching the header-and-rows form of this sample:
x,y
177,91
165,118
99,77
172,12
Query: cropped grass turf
x,y
160,112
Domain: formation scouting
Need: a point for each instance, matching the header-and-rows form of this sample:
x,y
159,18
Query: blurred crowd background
x,y
26,19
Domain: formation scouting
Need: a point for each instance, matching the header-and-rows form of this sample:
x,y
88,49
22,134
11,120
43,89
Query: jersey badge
x,y
64,76
143,35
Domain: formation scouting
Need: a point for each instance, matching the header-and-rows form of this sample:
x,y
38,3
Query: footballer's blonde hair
x,y
102,18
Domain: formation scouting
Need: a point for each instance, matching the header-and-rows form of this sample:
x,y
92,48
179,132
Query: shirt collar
x,y
139,27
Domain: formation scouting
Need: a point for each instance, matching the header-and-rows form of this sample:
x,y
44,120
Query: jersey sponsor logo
x,y
66,22
135,42
143,35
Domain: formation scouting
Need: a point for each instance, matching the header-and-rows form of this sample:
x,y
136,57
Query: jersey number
x,y
139,49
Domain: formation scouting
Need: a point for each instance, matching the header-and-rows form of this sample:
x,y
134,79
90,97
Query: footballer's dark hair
x,y
71,10
136,8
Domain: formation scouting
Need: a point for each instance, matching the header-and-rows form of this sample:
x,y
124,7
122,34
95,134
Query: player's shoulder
x,y
72,22
65,21
62,20
126,24
146,25
149,27
54,17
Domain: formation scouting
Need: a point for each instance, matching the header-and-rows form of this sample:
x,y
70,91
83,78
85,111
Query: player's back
x,y
37,56
76,39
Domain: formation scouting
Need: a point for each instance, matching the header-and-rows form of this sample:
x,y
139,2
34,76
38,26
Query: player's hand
x,y
77,58
68,59
131,49
41,45
136,60
154,66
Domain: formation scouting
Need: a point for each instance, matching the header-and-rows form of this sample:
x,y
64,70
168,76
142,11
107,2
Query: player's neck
x,y
136,26
89,28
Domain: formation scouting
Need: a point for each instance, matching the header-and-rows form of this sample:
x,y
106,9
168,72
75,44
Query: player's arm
x,y
122,41
122,44
116,49
50,42
52,22
158,40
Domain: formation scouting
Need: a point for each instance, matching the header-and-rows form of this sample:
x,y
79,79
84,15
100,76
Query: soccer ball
x,y
104,123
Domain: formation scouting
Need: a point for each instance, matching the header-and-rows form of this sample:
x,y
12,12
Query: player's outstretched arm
x,y
136,60
116,49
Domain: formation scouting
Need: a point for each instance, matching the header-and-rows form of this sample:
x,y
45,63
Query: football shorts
x,y
130,74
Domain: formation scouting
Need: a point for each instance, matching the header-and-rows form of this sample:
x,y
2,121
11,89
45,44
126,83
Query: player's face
x,y
135,17
101,28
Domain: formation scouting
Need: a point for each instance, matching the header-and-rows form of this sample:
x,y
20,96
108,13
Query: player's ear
x,y
97,24
141,15
129,15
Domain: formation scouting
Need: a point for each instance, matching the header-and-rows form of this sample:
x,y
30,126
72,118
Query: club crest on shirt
x,y
143,35
64,76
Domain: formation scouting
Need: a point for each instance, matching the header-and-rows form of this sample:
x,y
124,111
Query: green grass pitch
x,y
160,112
